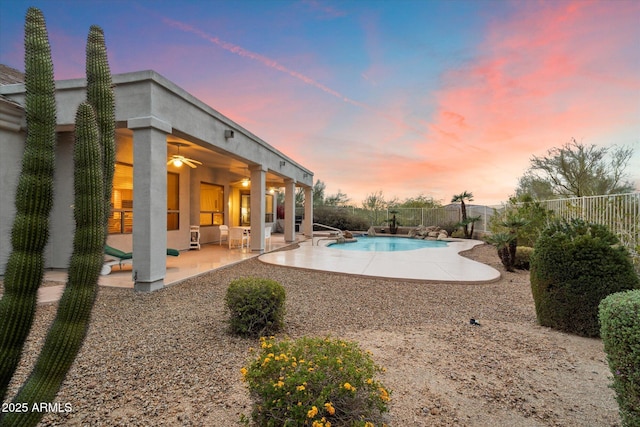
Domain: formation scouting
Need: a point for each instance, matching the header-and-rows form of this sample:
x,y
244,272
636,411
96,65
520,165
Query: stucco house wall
x,y
149,111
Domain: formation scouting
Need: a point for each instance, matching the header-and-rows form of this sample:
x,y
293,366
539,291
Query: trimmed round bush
x,y
573,267
315,382
523,257
256,306
619,316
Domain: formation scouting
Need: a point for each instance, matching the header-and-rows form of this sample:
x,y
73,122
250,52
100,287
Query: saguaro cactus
x,y
34,198
68,330
100,95
94,153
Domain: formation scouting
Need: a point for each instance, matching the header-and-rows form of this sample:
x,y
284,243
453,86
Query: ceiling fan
x,y
178,159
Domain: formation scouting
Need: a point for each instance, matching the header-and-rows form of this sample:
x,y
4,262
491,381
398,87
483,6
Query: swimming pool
x,y
387,244
434,264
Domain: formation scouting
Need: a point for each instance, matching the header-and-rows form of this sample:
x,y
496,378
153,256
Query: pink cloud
x,y
552,72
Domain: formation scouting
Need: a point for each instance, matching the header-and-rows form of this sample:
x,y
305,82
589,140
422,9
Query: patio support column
x,y
150,202
258,189
308,212
289,210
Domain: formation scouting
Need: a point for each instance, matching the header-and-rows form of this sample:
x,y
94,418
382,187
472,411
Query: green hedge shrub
x,y
523,257
256,306
339,218
619,316
315,382
573,267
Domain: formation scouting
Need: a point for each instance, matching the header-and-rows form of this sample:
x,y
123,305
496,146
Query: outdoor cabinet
x,y
195,237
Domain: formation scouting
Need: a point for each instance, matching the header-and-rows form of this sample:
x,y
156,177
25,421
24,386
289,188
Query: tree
x,y
577,170
464,220
338,199
532,211
420,201
319,198
374,202
513,224
502,241
318,193
530,185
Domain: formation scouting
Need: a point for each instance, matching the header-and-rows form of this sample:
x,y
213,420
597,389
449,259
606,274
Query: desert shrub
x,y
315,382
449,227
523,257
535,215
573,267
457,234
256,306
620,331
340,218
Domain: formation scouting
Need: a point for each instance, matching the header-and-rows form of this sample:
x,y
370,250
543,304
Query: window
x,y
211,204
121,218
173,201
268,203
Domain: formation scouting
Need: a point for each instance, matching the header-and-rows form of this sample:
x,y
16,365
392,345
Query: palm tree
x,y
514,224
472,220
464,222
502,242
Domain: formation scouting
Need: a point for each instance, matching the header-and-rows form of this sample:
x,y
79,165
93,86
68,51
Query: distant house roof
x,y
9,76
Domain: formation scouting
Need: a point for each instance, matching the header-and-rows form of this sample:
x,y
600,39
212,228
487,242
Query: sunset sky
x,y
411,97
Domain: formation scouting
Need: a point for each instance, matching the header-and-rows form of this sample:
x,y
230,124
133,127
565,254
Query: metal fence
x,y
619,212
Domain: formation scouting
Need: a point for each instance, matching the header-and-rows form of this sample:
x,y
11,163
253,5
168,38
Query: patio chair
x,y
237,236
224,232
117,257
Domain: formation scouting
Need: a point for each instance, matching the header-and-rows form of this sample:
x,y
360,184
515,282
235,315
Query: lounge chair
x,y
118,257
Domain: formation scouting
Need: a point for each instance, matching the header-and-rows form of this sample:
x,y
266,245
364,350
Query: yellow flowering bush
x,y
315,382
256,306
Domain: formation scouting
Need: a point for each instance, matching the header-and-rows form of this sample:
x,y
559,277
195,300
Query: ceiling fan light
x,y
245,182
177,163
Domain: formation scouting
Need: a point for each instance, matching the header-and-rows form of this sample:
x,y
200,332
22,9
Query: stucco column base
x,y
148,286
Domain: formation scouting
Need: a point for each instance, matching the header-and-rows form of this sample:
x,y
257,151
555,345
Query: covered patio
x,y
180,166
190,263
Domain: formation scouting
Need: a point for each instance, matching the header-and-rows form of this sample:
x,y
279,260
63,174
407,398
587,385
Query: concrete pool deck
x,y
427,264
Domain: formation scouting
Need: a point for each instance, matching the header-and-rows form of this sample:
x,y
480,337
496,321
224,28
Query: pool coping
x,y
433,265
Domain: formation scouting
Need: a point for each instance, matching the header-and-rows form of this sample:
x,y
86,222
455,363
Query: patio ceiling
x,y
210,158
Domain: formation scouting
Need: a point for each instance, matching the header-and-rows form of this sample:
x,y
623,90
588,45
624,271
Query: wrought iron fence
x,y
619,212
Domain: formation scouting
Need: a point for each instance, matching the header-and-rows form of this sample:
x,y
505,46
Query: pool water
x,y
387,244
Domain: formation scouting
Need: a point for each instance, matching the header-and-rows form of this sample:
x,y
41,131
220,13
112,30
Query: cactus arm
x,y
34,198
68,330
100,95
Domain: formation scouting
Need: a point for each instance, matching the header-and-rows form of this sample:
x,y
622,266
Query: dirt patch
x,y
166,359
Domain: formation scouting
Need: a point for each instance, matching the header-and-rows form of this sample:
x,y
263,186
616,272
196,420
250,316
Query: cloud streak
x,y
271,63
268,62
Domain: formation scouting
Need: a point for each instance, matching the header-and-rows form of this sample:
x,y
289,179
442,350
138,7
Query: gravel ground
x,y
165,358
